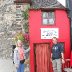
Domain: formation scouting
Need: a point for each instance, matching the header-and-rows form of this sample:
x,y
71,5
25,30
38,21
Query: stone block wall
x,y
11,22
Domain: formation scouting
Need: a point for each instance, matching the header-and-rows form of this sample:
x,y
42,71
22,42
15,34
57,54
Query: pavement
x,y
6,65
68,69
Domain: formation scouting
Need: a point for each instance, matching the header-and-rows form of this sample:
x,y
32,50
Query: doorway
x,y
42,57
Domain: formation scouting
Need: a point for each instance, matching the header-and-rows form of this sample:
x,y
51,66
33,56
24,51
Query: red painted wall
x,y
35,23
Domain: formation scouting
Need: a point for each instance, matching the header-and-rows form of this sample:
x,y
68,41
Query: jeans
x,y
20,68
57,65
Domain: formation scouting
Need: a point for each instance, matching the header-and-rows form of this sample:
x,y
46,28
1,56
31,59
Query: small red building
x,y
47,18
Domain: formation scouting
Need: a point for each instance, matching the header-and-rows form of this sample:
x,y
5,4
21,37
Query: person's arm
x,y
62,51
63,60
27,50
16,60
62,55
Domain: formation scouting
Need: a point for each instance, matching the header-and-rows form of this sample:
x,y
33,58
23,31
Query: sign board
x,y
49,33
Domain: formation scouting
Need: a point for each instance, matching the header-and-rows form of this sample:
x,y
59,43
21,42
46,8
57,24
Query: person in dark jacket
x,y
57,55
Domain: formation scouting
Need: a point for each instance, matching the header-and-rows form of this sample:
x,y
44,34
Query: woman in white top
x,y
19,56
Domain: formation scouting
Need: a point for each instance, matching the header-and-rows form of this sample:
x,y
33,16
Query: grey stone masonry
x,y
11,22
7,18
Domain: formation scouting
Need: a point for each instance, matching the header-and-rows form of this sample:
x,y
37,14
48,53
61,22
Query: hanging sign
x,y
49,33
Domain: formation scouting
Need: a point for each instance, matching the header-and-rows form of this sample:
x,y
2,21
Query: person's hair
x,y
54,38
19,41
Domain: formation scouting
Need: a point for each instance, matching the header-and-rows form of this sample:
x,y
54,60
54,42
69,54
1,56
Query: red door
x,y
42,58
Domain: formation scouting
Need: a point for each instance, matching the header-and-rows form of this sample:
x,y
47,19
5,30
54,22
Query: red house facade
x,y
47,18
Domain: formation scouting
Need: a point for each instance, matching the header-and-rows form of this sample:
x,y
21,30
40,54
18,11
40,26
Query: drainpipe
x,y
71,32
69,6
70,15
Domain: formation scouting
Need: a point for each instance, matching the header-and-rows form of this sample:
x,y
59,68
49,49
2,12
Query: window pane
x,y
45,15
51,17
51,21
45,21
18,11
51,14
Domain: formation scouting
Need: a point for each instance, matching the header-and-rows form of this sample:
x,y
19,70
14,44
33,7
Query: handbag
x,y
22,61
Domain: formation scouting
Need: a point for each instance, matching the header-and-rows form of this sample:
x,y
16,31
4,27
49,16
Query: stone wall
x,y
11,22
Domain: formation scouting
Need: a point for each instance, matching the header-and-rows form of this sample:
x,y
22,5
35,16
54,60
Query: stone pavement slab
x,y
6,65
68,69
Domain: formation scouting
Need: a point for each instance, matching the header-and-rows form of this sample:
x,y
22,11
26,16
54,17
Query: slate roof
x,y
46,4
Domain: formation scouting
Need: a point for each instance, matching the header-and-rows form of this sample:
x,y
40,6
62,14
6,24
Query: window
x,y
22,1
48,18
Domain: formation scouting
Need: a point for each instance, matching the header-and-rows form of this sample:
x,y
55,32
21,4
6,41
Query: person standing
x,y
19,56
57,56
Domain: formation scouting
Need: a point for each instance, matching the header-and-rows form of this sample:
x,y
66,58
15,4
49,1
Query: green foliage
x,y
36,7
19,36
26,27
25,14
